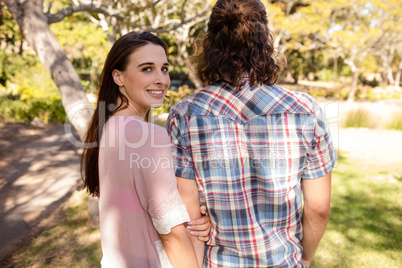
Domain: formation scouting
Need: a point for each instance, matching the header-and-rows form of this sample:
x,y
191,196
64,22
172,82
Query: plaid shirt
x,y
247,151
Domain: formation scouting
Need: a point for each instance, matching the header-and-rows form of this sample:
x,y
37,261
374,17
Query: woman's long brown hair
x,y
117,58
237,43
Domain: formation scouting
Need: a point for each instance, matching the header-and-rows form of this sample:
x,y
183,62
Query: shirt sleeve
x,y
321,157
181,149
157,187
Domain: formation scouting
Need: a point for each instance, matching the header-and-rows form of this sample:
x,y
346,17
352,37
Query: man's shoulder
x,y
273,99
289,101
197,103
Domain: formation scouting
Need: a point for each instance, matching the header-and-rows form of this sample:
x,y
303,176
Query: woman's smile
x,y
156,93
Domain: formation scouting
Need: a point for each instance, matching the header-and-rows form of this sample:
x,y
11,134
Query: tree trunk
x,y
390,76
335,69
398,75
183,55
352,93
196,81
34,26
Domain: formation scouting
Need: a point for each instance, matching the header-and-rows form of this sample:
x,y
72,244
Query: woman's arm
x,y
189,193
179,248
157,188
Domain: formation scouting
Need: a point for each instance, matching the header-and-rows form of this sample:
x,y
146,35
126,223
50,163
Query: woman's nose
x,y
162,78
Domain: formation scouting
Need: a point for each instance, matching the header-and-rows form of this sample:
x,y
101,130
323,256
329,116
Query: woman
x,y
130,167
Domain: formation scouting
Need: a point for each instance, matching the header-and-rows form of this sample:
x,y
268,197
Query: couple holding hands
x,y
240,177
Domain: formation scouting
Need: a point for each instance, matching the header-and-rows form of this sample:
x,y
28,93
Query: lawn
x,y
364,230
366,219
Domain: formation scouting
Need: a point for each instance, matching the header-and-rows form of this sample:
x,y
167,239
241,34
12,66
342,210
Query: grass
x,y
359,117
366,219
396,122
364,230
71,243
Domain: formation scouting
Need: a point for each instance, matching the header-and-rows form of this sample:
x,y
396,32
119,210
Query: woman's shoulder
x,y
134,129
154,133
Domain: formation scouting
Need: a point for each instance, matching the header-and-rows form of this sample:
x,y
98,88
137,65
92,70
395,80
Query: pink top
x,y
138,193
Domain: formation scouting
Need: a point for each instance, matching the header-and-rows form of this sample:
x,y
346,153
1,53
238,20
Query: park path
x,y
378,149
39,169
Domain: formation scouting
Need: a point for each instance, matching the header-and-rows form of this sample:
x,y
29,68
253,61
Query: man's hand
x,y
200,227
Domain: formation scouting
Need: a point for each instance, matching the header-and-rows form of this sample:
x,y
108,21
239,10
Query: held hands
x,y
200,227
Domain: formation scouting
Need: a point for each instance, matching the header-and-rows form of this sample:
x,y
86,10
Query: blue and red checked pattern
x,y
248,151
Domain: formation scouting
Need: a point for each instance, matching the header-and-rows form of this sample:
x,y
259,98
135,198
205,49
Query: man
x,y
250,150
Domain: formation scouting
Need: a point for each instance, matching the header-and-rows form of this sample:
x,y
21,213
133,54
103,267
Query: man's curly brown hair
x,y
238,43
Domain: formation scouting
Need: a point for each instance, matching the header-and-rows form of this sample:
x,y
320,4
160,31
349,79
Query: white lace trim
x,y
168,213
173,217
165,263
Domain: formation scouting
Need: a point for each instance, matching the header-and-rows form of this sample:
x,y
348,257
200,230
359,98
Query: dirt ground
x,y
39,169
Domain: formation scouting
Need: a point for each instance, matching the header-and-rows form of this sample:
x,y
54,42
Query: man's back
x,y
248,150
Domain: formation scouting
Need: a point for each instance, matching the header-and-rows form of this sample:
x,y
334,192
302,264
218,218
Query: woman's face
x,y
146,80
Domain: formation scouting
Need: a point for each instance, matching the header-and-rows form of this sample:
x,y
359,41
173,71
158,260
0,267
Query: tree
x,y
295,36
355,29
35,29
390,52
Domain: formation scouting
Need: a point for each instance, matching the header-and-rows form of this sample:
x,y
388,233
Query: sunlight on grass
x,y
71,243
365,224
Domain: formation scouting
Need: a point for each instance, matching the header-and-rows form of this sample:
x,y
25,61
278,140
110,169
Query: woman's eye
x,y
165,69
147,69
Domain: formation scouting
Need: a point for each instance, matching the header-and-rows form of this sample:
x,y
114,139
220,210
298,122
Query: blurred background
x,y
346,54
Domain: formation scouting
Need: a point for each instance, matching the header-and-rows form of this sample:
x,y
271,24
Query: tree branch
x,y
65,12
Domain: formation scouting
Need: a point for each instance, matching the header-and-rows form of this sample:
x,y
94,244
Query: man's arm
x,y
179,248
189,193
316,212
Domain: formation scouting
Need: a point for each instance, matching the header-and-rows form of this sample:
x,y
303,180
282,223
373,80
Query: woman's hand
x,y
200,227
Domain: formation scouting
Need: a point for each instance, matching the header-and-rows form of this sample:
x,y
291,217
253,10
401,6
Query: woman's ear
x,y
117,78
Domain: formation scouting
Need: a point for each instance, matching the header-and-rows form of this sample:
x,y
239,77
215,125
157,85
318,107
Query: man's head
x,y
238,43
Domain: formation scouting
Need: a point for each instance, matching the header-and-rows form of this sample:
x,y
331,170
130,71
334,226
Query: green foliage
x,y
29,91
343,93
371,83
10,34
302,63
35,82
85,45
49,109
12,64
369,64
383,93
13,110
322,92
173,97
346,71
359,117
325,74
